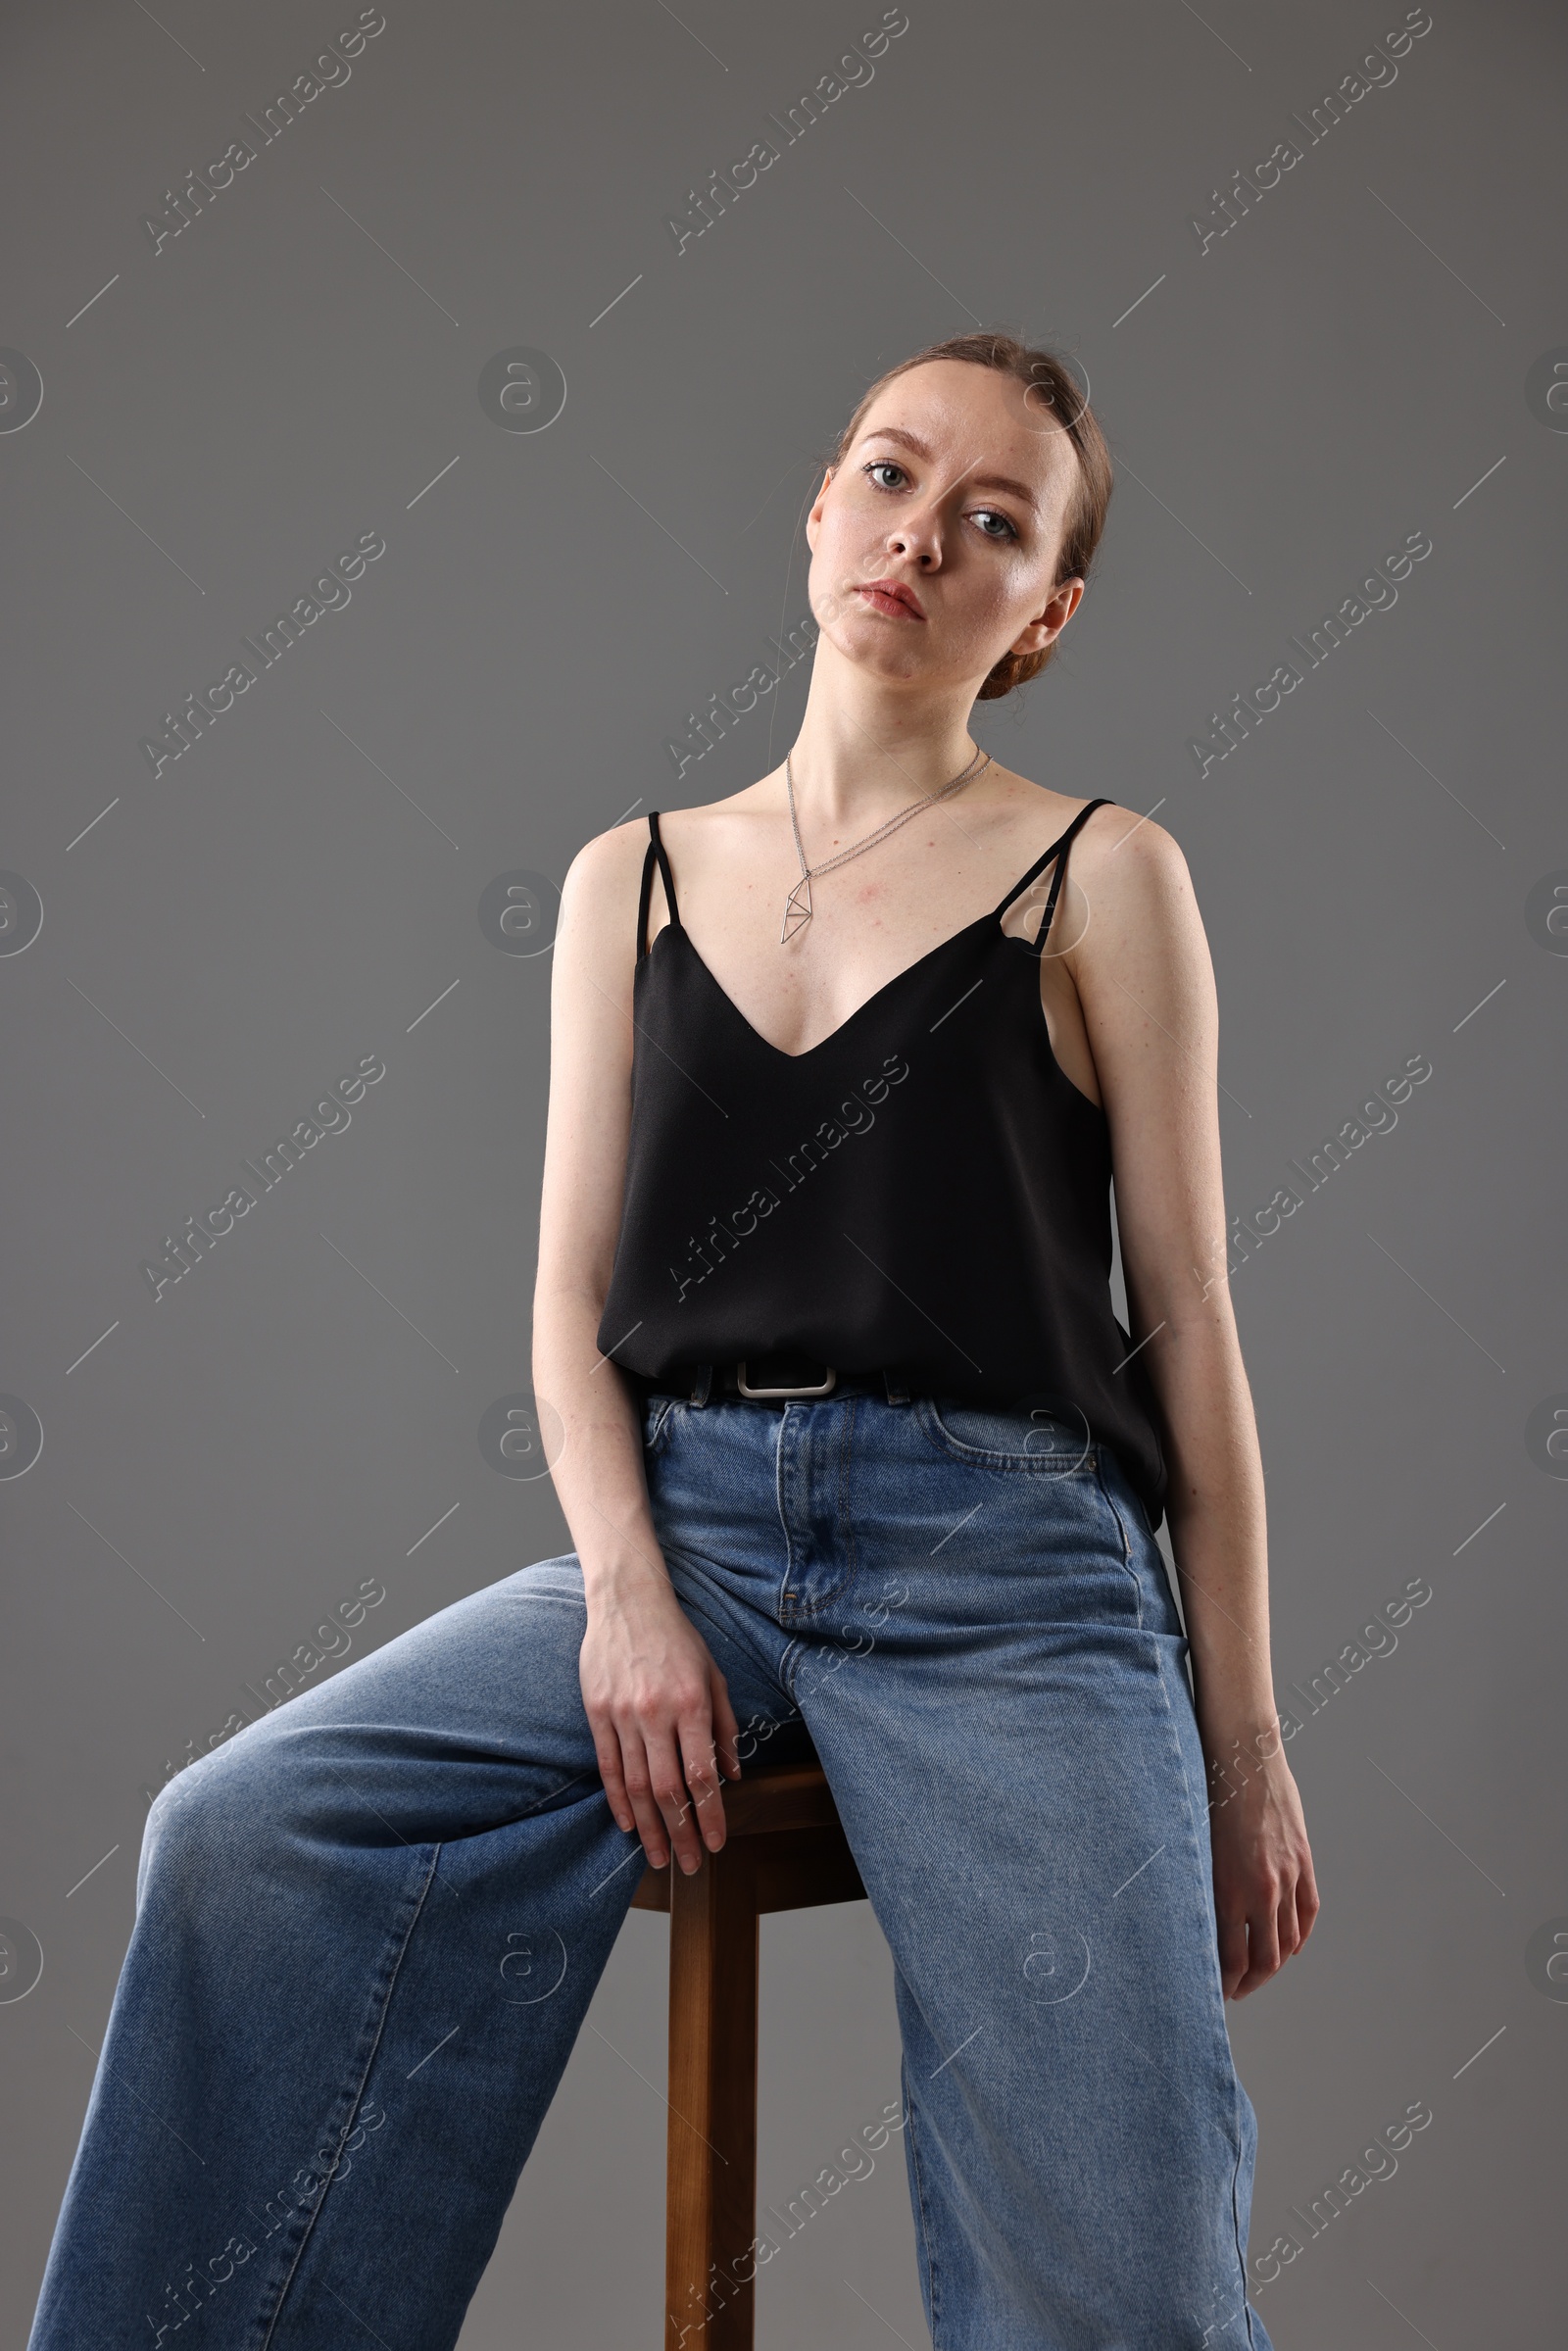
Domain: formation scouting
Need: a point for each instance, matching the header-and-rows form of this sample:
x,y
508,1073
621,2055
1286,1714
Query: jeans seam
x,y
926,2239
1126,1544
793,1609
1181,1760
1235,2167
846,1509
789,1666
364,2076
1236,2210
783,1514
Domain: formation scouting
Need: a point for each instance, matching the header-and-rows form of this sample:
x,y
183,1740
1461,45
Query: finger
x,y
700,1763
639,1789
727,1729
607,1748
1304,1905
701,1767
669,1783
1232,1954
1263,1950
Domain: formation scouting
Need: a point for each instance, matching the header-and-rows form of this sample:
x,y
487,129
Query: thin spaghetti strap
x,y
1062,846
1058,849
656,846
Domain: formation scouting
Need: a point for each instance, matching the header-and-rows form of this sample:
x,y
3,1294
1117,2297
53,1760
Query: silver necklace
x,y
798,905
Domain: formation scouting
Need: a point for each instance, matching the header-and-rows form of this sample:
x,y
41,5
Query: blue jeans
x,y
368,1927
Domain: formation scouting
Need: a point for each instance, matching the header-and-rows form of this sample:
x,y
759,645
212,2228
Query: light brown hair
x,y
1090,496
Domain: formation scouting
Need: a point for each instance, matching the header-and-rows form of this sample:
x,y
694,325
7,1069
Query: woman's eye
x,y
883,465
987,515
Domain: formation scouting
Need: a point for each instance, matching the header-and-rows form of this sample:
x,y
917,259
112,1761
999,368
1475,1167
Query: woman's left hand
x,y
1265,1893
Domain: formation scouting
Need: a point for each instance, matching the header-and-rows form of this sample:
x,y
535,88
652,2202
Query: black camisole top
x,y
924,1189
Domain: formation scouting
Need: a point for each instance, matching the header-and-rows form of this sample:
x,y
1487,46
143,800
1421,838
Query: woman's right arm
x,y
656,1701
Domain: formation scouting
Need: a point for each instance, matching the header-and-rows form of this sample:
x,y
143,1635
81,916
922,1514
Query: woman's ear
x,y
815,514
1059,611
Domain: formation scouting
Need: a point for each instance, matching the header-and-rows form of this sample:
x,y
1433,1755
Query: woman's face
x,y
934,542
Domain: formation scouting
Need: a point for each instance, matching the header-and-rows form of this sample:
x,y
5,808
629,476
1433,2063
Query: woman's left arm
x,y
1140,964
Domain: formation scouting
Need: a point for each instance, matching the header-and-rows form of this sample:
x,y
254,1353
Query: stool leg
x,y
711,2167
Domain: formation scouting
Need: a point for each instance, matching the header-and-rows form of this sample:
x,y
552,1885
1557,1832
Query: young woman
x,y
856,1460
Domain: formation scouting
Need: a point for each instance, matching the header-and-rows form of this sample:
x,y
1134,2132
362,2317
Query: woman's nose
x,y
917,537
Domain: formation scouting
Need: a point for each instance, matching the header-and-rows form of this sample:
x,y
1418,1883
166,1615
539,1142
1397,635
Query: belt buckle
x,y
825,1390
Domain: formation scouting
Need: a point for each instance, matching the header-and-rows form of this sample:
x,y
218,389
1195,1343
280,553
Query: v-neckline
x,y
778,1051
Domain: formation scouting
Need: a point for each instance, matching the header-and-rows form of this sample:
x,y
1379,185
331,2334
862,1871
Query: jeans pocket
x,y
1047,1439
659,1412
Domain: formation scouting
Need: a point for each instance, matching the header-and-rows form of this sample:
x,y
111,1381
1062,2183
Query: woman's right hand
x,y
664,1729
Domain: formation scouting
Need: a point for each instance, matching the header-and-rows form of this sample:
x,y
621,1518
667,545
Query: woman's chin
x,y
870,645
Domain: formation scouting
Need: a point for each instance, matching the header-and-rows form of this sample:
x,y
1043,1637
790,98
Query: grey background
x,y
303,886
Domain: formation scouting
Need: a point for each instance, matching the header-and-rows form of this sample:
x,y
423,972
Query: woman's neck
x,y
868,745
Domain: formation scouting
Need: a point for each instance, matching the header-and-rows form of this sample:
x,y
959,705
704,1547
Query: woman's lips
x,y
889,597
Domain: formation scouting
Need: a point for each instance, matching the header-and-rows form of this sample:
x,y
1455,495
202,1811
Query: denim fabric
x,y
368,1927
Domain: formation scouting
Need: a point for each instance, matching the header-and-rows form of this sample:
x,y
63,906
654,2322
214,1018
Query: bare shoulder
x,y
1134,875
599,896
602,890
1116,840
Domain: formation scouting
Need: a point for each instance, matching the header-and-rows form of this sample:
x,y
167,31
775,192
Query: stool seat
x,y
784,1849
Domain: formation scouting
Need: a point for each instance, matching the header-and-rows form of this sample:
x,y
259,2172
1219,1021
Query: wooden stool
x,y
784,1849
